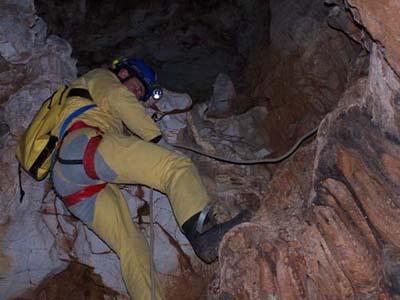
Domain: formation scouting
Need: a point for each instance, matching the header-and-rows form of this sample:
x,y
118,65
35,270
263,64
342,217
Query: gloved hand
x,y
161,141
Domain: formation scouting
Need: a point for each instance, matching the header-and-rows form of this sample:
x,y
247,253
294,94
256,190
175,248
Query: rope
x,y
152,269
159,114
255,161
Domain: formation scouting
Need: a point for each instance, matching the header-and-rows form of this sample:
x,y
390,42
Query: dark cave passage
x,y
189,43
284,55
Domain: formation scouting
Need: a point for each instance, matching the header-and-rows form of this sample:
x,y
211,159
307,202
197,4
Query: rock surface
x,y
32,67
380,19
301,74
41,244
332,232
188,42
326,221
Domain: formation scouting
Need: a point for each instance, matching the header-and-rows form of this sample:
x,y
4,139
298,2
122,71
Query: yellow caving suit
x,y
122,159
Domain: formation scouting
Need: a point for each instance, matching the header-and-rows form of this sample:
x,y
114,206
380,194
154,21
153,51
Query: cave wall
x,y
381,22
306,66
326,222
32,65
188,42
328,228
41,244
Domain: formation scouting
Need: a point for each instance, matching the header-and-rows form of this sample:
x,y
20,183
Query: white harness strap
x,y
202,218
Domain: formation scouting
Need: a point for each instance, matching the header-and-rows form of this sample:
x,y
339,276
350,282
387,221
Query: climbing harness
x,y
87,161
82,194
88,157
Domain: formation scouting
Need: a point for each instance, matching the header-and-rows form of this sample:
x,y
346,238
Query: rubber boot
x,y
205,244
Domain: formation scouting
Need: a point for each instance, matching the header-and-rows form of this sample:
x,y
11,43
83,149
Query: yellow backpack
x,y
36,149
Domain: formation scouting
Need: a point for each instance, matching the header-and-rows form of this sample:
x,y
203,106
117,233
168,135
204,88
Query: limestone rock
x,y
338,238
221,101
189,43
306,66
380,20
17,40
326,222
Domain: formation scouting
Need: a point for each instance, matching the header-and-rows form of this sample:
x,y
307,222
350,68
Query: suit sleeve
x,y
108,92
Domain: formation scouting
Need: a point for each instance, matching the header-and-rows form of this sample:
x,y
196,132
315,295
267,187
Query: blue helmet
x,y
138,68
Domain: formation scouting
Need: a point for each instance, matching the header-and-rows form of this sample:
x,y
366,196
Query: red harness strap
x,y
80,124
84,193
88,156
88,165
90,151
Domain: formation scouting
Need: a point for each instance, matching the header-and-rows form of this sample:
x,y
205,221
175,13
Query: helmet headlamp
x,y
157,92
138,68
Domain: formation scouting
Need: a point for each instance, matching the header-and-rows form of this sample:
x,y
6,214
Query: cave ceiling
x,y
188,42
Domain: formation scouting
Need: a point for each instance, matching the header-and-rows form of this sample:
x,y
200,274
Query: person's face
x,y
133,84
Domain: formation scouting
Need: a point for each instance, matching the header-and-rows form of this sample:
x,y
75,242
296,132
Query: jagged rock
x,y
339,18
305,67
380,19
17,39
327,224
28,252
78,281
237,137
337,239
39,237
189,43
221,101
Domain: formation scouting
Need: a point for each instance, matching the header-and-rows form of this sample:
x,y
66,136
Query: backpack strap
x,y
21,190
88,159
89,156
72,116
89,152
78,92
46,152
